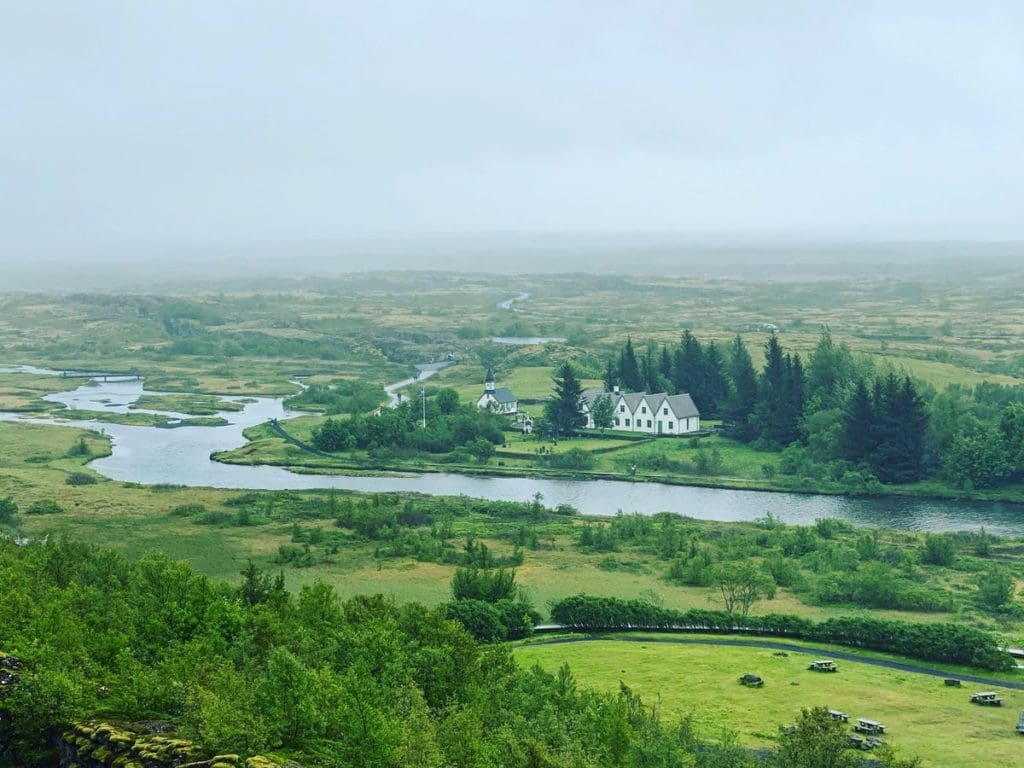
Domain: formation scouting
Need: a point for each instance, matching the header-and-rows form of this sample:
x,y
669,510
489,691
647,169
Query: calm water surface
x,y
151,455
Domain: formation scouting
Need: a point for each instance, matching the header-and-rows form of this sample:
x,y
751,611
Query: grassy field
x,y
922,716
194,405
24,392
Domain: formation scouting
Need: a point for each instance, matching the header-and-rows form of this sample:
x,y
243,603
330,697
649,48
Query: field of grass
x,y
24,392
194,405
923,717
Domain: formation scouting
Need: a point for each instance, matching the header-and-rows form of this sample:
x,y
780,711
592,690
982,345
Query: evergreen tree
x,y
794,398
900,427
716,383
739,409
611,375
688,369
650,369
857,442
771,394
665,366
562,412
629,369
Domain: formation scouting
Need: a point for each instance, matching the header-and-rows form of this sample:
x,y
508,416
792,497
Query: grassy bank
x,y
922,716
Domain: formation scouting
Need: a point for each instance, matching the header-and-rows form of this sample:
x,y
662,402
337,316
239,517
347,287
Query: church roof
x,y
503,395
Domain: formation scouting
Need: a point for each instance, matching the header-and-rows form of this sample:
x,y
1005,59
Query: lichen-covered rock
x,y
105,745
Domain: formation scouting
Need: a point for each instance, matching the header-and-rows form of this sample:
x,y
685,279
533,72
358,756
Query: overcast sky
x,y
140,123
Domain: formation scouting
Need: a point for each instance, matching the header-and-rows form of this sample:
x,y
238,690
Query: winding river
x,y
151,455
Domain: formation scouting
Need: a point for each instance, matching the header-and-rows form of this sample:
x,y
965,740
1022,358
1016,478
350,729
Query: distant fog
x,y
192,268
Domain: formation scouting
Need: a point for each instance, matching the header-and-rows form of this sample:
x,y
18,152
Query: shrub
x,y
80,478
939,549
574,458
44,507
187,510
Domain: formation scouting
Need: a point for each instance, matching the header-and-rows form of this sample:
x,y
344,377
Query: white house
x,y
659,414
497,399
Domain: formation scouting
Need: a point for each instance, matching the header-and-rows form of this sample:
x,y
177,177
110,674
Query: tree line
x,y
940,642
841,414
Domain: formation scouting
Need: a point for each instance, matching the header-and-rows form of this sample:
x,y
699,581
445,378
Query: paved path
x,y
424,371
507,304
825,653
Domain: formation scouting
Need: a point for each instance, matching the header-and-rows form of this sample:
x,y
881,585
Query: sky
x,y
132,125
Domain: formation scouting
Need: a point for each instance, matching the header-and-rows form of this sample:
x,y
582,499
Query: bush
x,y
44,507
187,510
80,478
939,549
8,510
574,458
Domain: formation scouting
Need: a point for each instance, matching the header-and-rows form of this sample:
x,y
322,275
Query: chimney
x,y
615,389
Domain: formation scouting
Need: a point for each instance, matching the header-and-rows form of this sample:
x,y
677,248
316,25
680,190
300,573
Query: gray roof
x,y
682,405
632,400
503,395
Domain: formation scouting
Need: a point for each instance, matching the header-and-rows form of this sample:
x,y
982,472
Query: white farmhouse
x,y
659,414
498,399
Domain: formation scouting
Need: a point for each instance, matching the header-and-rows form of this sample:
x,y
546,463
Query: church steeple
x,y
489,381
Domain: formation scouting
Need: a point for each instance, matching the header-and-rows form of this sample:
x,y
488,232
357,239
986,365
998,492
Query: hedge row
x,y
944,643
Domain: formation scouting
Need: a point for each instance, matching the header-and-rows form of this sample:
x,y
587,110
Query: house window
x,y
643,409
622,409
648,423
627,422
665,411
616,421
670,425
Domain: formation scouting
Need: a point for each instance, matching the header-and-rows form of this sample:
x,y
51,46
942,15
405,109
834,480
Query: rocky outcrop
x,y
106,745
101,745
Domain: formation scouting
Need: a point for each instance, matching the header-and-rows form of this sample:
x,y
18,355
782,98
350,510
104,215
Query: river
x,y
151,455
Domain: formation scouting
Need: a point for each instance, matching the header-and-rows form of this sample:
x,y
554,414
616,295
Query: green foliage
x,y
80,449
946,643
603,412
488,585
978,459
400,428
816,741
939,549
44,507
80,478
8,511
741,584
574,459
339,396
995,588
876,585
562,412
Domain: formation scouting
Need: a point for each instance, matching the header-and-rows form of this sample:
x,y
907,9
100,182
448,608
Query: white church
x,y
658,414
497,399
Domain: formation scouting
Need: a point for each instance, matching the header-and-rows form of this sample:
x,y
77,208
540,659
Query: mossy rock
x,y
102,754
259,761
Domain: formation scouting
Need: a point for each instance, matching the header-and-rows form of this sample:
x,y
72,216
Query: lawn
x,y
922,716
